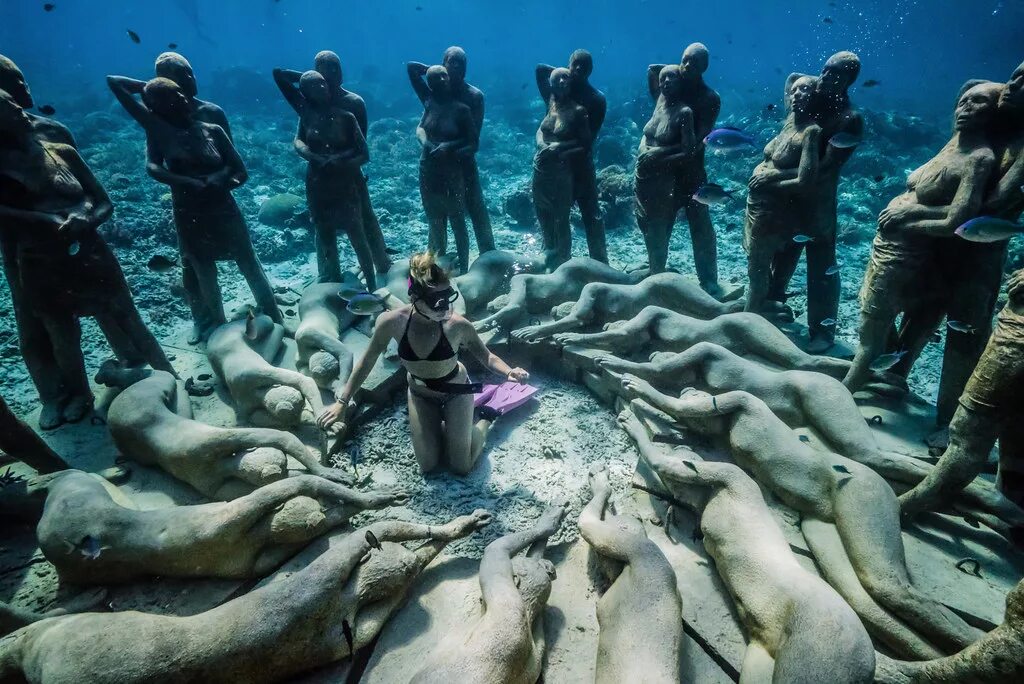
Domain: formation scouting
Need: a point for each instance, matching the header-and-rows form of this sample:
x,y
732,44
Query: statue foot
x,y
196,336
819,345
78,407
51,416
713,289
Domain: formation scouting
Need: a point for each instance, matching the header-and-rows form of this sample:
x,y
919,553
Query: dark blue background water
x,y
921,50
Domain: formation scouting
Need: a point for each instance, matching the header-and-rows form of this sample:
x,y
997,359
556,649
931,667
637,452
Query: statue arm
x,y
543,76
965,205
287,81
97,201
378,343
807,171
653,76
835,157
1007,193
417,72
597,118
359,153
303,149
234,173
497,583
708,121
125,90
25,219
606,537
160,173
359,111
221,119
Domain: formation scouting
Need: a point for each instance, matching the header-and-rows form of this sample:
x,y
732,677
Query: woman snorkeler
x,y
441,396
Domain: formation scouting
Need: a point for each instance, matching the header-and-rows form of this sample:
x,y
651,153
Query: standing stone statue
x,y
64,268
564,133
904,272
447,133
454,61
173,66
337,190
584,175
670,167
834,113
781,193
200,164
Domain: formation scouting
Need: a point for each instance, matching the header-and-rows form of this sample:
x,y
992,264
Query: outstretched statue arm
x,y
382,334
543,76
607,538
417,72
125,90
497,583
287,81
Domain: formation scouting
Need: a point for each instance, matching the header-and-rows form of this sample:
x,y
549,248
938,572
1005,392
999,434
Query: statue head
x,y
1012,96
438,80
533,578
173,66
839,73
13,82
284,404
581,65
314,88
387,571
262,465
323,368
329,65
801,93
13,119
165,98
694,61
670,80
560,81
454,61
977,107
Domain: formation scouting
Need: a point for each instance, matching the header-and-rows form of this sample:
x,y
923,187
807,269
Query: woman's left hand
x,y
518,375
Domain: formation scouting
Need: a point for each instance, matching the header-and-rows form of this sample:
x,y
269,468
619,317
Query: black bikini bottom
x,y
444,386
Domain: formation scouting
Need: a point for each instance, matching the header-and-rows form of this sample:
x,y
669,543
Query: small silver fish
x,y
711,194
347,292
844,140
828,322
833,269
887,361
988,229
74,248
365,304
801,238
961,327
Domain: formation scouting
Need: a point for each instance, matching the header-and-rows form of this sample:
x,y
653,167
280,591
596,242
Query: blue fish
x,y
801,239
832,270
828,322
728,138
844,140
961,327
365,304
988,229
347,292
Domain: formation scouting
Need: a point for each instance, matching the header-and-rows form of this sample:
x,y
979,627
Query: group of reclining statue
x,y
715,371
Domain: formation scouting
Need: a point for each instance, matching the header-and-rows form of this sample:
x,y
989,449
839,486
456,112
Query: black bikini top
x,y
442,351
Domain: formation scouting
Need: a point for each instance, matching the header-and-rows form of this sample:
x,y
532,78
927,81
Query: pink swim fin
x,y
484,395
507,396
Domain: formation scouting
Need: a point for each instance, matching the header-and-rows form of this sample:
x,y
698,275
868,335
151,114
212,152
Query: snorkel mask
x,y
438,303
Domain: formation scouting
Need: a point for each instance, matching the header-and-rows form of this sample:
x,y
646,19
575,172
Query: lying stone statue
x,y
994,659
799,398
507,643
93,534
848,515
490,276
151,422
798,628
605,302
327,611
241,354
320,353
13,617
746,334
538,293
640,613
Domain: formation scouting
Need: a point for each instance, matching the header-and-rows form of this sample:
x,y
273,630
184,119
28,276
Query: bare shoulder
x,y
391,320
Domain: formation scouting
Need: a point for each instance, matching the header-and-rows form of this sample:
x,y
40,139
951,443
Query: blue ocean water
x,y
920,50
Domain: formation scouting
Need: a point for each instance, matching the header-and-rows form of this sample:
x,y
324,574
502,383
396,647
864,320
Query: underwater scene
x,y
451,341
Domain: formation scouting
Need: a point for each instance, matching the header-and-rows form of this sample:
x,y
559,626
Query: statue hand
x,y
75,225
464,525
761,180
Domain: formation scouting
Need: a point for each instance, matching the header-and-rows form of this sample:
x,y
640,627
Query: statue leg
x,y
203,319
350,215
205,271
760,251
35,345
435,207
822,292
121,314
374,234
705,246
1011,461
66,335
882,296
455,208
784,264
19,441
252,270
655,210
552,200
476,206
585,190
328,263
